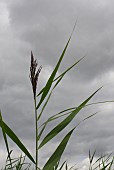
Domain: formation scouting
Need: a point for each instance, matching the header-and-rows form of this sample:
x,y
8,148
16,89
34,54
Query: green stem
x,y
36,126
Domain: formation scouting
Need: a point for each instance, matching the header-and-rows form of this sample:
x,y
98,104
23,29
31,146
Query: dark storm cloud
x,y
44,27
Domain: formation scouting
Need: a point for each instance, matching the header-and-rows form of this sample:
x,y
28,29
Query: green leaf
x,y
56,156
65,122
60,114
51,78
5,139
74,108
39,116
39,135
15,139
40,92
44,106
50,81
69,69
53,118
60,78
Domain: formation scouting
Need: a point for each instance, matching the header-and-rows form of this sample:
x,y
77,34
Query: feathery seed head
x,y
34,74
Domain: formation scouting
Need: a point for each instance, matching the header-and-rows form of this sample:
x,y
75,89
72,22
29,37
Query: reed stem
x,y
36,128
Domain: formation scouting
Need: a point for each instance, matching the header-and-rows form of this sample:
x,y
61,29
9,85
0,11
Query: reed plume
x,y
34,74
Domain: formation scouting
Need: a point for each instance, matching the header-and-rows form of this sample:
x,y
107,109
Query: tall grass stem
x,y
36,128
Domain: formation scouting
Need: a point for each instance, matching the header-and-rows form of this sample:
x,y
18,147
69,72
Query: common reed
x,y
40,102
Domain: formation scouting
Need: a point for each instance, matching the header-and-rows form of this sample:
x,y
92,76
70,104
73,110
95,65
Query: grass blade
x,y
74,108
51,119
62,165
44,106
111,163
15,139
105,166
50,80
91,157
59,78
69,68
65,122
57,115
56,156
66,167
5,139
39,116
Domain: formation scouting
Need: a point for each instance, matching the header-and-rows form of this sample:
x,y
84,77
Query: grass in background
x,y
40,102
105,162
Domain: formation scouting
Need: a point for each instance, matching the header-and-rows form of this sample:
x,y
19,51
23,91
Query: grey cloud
x,y
94,30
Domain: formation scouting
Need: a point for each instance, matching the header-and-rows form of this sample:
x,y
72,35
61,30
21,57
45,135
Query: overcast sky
x,y
44,27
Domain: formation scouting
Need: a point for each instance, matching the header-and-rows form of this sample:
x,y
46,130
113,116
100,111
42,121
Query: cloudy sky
x,y
44,27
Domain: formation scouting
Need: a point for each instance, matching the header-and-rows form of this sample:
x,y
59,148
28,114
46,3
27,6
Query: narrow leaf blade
x,y
65,122
51,78
15,139
69,68
5,138
56,156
